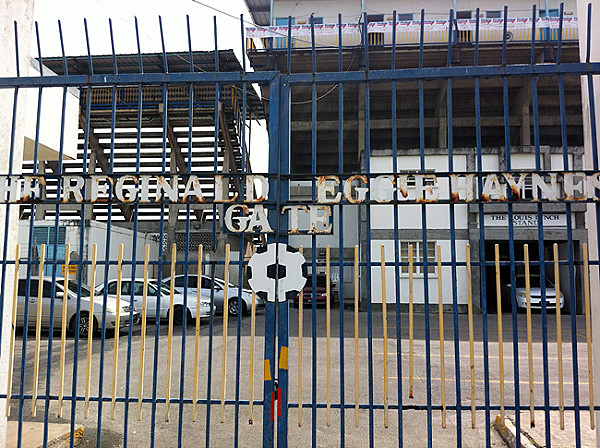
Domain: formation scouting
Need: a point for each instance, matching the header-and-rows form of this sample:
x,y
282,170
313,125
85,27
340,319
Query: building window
x,y
374,18
418,269
316,20
463,14
404,17
493,14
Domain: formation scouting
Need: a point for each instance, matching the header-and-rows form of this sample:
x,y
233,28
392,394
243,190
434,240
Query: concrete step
x,y
59,434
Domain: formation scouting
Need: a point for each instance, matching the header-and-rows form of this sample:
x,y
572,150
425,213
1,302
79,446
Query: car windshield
x,y
73,287
534,282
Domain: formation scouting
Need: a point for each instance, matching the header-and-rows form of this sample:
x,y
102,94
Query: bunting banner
x,y
412,26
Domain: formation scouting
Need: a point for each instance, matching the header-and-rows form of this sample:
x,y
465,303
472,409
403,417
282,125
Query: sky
x,y
72,13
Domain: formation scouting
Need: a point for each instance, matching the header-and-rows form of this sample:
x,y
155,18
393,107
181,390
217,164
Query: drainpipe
x,y
362,9
271,13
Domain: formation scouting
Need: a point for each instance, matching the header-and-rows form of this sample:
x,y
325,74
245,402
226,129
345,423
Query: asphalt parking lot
x,y
426,383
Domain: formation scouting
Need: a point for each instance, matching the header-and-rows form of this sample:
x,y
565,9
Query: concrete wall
x,y
351,10
22,12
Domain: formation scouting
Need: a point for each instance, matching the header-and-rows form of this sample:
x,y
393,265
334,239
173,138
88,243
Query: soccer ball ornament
x,y
277,267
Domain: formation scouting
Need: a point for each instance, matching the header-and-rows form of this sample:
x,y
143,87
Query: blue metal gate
x,y
423,242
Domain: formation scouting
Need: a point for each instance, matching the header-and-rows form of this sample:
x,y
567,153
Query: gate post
x,y
12,118
283,306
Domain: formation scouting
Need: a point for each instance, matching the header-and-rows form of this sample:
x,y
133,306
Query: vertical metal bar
x,y
116,336
197,337
341,303
500,340
441,331
356,304
471,337
540,237
63,334
88,361
251,373
38,330
588,333
328,334
410,322
561,396
225,322
482,257
170,332
368,235
453,255
300,347
11,353
55,258
143,331
385,340
29,254
529,336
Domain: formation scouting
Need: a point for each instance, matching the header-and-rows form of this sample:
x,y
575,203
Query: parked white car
x,y
84,321
151,299
219,294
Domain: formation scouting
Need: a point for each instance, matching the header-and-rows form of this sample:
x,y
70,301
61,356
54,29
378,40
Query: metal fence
x,y
415,251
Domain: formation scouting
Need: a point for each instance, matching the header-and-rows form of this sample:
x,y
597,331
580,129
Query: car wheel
x,y
178,315
84,324
233,307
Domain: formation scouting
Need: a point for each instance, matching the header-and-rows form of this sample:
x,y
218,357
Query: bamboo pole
x,y
410,322
441,325
529,336
197,337
588,333
116,337
11,354
63,333
328,332
88,361
385,341
356,300
300,336
561,395
170,332
225,317
471,336
38,330
143,331
500,340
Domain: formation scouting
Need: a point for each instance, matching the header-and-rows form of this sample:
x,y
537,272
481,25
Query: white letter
x,y
326,184
242,221
121,188
315,219
259,219
193,188
75,189
171,190
294,209
250,187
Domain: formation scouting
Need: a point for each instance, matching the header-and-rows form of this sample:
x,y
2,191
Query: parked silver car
x,y
219,293
535,293
151,300
84,320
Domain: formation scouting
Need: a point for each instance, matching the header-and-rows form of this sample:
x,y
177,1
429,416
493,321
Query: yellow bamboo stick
x,y
385,340
143,331
588,333
11,354
471,337
410,321
561,396
170,332
63,333
441,325
529,336
356,299
300,335
116,337
225,317
328,333
500,340
38,330
197,337
88,361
